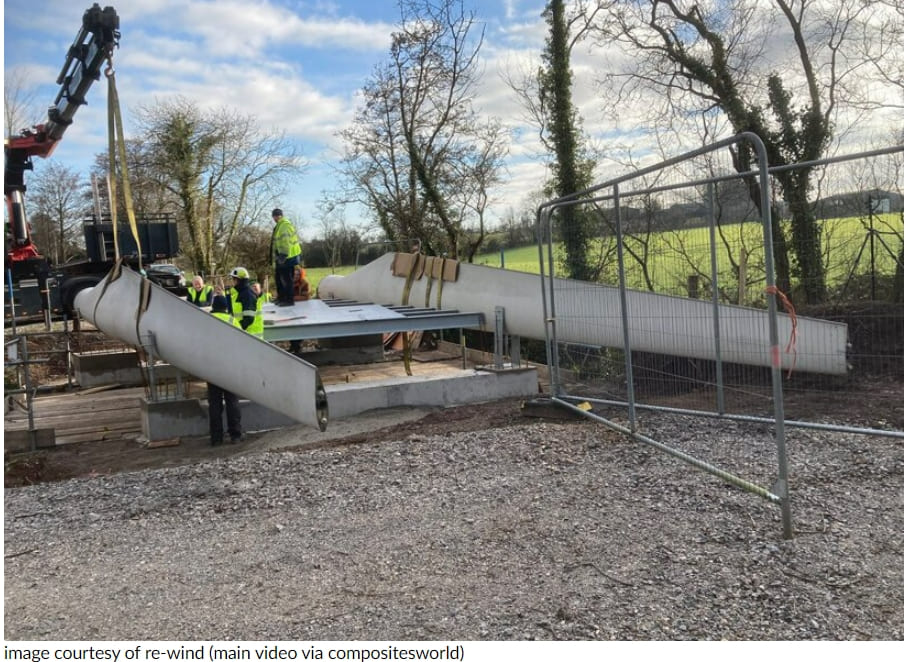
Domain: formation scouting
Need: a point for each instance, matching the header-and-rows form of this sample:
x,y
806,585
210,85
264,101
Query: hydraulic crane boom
x,y
94,43
33,285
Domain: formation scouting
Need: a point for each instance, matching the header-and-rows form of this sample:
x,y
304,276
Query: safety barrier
x,y
697,232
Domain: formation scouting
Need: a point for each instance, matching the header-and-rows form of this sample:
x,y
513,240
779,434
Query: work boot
x,y
235,439
216,441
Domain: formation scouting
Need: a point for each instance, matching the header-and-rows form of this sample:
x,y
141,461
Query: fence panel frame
x,y
612,192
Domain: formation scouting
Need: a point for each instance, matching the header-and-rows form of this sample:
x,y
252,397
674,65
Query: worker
x,y
285,255
220,399
199,293
259,292
300,284
245,305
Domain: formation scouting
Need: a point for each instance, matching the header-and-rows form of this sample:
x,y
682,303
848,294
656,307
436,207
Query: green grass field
x,y
315,275
674,258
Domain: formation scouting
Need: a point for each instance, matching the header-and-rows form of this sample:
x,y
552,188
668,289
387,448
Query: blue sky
x,y
298,65
295,65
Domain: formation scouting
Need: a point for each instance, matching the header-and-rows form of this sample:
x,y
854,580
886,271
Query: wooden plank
x,y
66,431
91,404
163,443
96,436
108,427
98,389
51,408
63,415
71,417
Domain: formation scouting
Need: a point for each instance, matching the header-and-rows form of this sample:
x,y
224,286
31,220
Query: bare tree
x,y
219,167
58,205
417,155
334,229
20,108
882,34
149,194
783,70
250,249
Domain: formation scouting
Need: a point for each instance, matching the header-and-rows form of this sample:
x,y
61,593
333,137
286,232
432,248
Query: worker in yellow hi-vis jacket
x,y
285,255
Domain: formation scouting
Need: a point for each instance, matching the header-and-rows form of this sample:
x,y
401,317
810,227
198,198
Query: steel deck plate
x,y
318,318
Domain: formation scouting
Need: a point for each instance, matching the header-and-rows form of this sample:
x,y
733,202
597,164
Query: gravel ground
x,y
542,530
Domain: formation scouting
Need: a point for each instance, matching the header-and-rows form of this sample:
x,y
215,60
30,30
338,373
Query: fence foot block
x,y
545,408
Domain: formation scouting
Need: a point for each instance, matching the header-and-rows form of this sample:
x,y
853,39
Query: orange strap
x,y
792,340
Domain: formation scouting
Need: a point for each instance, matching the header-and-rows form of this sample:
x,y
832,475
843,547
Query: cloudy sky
x,y
294,64
297,65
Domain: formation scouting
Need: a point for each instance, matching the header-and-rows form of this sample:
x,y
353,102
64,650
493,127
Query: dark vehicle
x,y
168,276
39,288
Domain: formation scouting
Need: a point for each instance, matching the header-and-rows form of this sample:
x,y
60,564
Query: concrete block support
x,y
189,417
471,386
173,418
15,441
107,368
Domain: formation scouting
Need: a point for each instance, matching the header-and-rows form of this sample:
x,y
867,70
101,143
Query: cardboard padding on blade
x,y
202,345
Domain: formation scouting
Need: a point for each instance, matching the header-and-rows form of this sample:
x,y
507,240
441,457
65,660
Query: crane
x,y
35,285
93,45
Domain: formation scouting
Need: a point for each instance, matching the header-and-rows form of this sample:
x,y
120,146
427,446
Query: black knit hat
x,y
276,213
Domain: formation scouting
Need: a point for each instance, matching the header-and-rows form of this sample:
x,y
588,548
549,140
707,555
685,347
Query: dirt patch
x,y
860,400
877,404
101,458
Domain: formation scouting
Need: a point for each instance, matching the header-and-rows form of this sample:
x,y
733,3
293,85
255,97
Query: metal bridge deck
x,y
334,318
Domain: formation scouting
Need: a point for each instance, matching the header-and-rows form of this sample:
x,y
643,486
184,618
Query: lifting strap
x,y
117,152
405,301
117,149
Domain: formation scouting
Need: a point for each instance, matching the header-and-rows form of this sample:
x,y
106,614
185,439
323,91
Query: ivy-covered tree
x,y
783,70
571,171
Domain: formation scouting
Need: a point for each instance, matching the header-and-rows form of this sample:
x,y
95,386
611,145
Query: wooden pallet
x,y
79,417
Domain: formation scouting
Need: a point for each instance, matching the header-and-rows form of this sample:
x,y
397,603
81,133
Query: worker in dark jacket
x,y
220,399
246,306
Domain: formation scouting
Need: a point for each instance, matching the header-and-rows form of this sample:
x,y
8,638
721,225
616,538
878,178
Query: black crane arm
x,y
94,43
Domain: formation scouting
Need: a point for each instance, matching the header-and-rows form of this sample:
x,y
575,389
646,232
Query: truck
x,y
35,289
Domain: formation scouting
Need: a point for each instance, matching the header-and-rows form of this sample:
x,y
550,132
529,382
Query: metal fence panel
x,y
693,321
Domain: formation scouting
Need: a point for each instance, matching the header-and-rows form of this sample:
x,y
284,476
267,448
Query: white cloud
x,y
299,67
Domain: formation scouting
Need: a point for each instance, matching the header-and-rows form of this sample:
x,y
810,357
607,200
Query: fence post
x,y
625,326
693,286
714,275
742,276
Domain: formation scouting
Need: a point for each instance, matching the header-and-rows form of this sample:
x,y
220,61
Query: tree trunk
x,y
574,229
805,236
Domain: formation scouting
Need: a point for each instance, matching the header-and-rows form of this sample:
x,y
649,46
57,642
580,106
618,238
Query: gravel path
x,y
540,531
